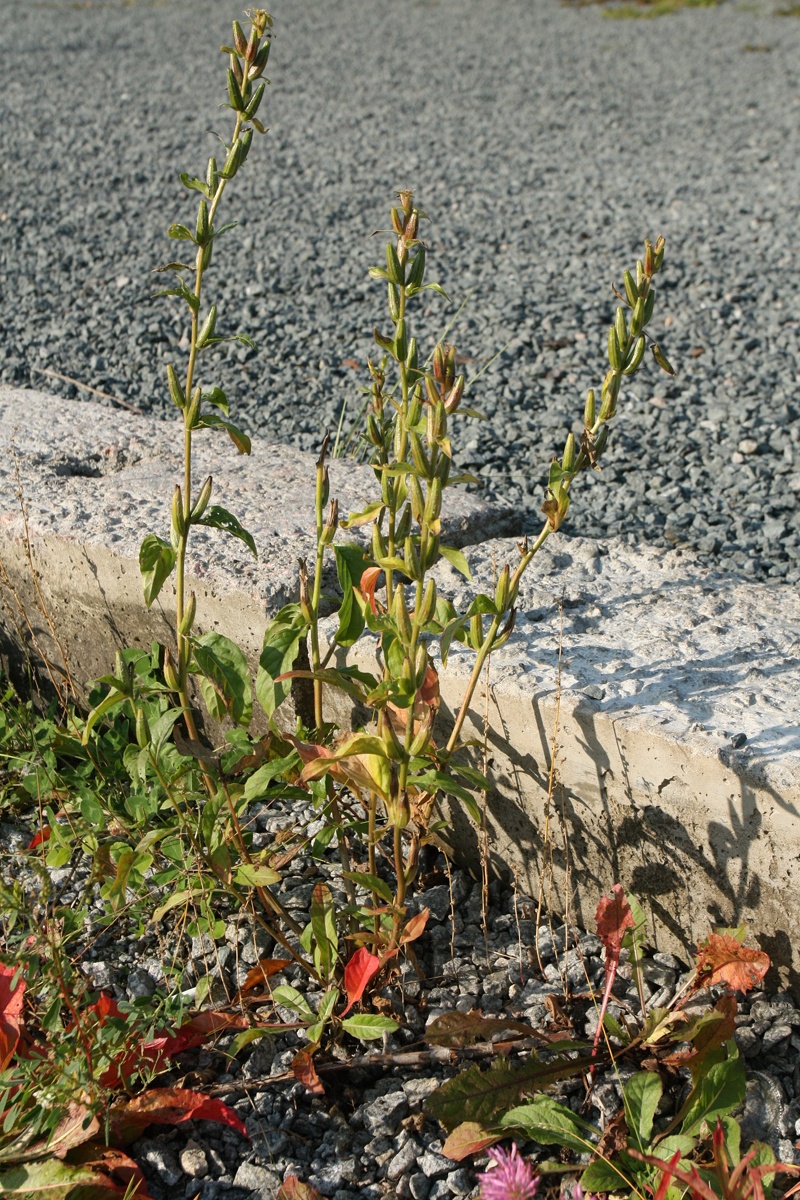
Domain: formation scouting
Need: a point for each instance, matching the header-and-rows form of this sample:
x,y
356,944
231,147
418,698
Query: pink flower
x,y
509,1177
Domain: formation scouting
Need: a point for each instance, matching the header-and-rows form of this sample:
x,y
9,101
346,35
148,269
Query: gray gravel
x,y
544,140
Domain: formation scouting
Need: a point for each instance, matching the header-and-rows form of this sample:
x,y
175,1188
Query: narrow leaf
x,y
219,518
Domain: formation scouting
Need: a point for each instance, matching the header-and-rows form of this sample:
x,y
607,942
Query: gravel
x,y
545,141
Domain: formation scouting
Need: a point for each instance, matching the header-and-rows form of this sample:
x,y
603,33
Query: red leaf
x,y
357,974
470,1137
10,1010
262,971
121,1171
415,927
304,1070
722,958
293,1189
367,585
613,917
43,835
167,1106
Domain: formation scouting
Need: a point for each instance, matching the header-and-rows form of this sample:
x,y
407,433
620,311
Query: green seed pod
x,y
421,664
189,614
433,504
640,276
178,519
378,543
393,268
450,367
206,259
631,290
254,105
658,257
439,422
431,553
403,528
394,302
438,363
411,356
400,343
373,431
418,455
260,60
649,302
232,160
175,390
610,393
192,413
142,730
207,328
505,633
394,747
661,359
636,355
503,589
202,500
476,632
417,498
170,673
415,407
648,257
588,411
614,354
411,557
431,390
416,271
568,460
637,317
411,226
453,398
601,441
621,326
400,441
401,617
419,746
239,40
212,175
245,143
428,606
398,224
201,228
234,93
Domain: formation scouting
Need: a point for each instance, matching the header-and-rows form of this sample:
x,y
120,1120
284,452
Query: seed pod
x,y
428,606
614,353
419,746
251,49
189,613
239,40
373,431
400,441
438,363
505,633
411,226
400,344
636,355
202,500
401,617
323,484
610,393
393,268
192,413
658,256
631,290
588,411
421,664
431,390
433,504
648,257
621,326
212,175
450,366
232,160
439,422
503,589
178,519
637,317
176,392
207,328
394,302
431,553
476,632
245,143
206,258
331,524
417,498
236,67
639,273
254,105
661,359
411,355
201,228
142,730
403,527
394,747
398,225
418,455
415,407
234,92
416,271
443,468
568,459
601,441
453,398
378,543
649,302
411,558
170,673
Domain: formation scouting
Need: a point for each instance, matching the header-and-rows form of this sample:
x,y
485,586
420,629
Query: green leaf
x,y
351,562
224,677
257,783
641,1095
604,1176
453,629
217,397
219,518
456,559
181,233
289,997
323,927
156,560
253,875
548,1122
372,883
279,651
211,421
440,781
368,1026
106,705
716,1094
197,185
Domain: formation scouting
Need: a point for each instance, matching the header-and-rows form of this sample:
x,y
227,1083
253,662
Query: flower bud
x,y
631,290
648,258
401,617
503,589
239,40
189,613
170,672
428,606
658,256
398,224
412,568
415,407
416,497
142,730
568,459
588,411
178,519
202,500
433,504
192,413
176,392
